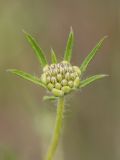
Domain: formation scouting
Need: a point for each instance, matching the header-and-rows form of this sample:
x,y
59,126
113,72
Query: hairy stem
x,y
57,130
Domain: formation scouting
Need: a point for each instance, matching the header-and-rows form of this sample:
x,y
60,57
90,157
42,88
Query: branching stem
x,y
57,130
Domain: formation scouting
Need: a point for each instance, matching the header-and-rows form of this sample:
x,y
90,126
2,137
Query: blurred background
x,y
92,117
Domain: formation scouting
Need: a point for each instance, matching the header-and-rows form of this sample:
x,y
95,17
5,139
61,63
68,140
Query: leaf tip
x,y
10,70
69,46
51,50
25,32
105,75
105,37
27,35
53,56
71,30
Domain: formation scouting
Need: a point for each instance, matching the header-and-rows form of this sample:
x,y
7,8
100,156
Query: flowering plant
x,y
60,79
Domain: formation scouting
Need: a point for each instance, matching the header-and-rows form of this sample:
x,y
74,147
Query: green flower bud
x,y
66,89
58,66
48,79
64,82
70,83
59,77
54,72
53,79
57,92
76,82
70,69
52,66
77,69
67,76
65,69
58,70
62,70
50,86
58,86
49,73
73,76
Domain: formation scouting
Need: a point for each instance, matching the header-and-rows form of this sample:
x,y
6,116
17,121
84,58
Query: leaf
x,y
69,46
51,98
38,51
27,76
91,79
91,55
53,56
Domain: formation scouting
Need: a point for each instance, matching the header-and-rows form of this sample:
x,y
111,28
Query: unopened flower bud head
x,y
61,78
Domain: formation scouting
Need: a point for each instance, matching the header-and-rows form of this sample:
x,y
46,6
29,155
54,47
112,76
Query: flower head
x,y
60,78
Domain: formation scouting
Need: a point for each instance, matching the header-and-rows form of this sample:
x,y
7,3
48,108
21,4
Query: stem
x,y
57,130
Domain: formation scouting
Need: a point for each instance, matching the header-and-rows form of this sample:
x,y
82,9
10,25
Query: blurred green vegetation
x,y
92,116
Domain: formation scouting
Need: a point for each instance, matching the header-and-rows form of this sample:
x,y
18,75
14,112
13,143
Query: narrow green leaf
x,y
38,51
69,46
51,98
53,57
27,76
91,55
91,79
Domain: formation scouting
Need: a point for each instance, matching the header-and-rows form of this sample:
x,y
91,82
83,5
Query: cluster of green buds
x,y
61,78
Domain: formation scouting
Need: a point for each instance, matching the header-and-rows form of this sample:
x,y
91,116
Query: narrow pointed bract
x,y
91,79
91,55
27,76
69,46
38,51
51,98
53,57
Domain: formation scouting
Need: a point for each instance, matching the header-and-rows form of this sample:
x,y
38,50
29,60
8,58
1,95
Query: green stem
x,y
57,130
